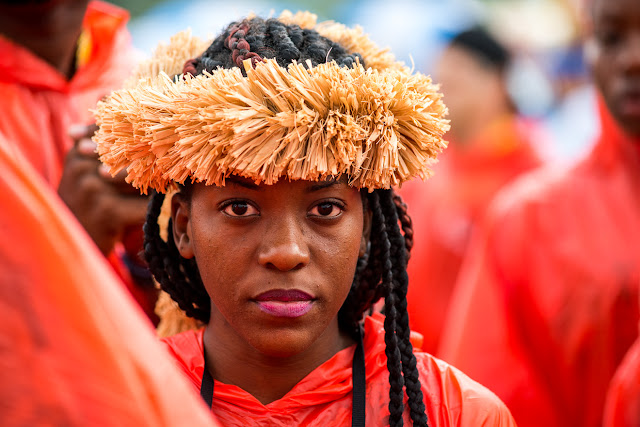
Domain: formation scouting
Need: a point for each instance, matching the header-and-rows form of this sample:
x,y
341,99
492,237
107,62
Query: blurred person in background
x,y
547,303
57,58
488,148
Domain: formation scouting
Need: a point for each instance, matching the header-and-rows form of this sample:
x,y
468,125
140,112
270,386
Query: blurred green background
x,y
138,7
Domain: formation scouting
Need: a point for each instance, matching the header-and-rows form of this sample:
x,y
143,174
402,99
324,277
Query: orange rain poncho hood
x,y
547,303
323,398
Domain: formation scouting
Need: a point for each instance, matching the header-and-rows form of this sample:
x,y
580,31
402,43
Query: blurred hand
x,y
106,206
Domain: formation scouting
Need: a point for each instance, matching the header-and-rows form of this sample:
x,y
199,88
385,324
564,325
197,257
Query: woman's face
x,y
277,260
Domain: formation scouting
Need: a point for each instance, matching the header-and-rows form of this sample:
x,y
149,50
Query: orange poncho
x,y
324,398
39,104
73,352
547,303
445,209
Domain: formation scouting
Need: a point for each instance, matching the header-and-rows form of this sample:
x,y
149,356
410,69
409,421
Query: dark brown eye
x,y
240,209
609,36
326,209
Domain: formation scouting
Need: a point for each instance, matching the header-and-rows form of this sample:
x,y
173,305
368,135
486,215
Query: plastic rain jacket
x,y
324,398
547,303
74,352
39,104
445,209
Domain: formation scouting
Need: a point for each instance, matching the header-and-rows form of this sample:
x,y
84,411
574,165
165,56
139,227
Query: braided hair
x,y
381,273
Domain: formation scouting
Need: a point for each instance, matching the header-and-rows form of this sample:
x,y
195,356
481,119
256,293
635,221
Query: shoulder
x,y
451,398
542,191
188,352
537,206
190,337
454,399
532,190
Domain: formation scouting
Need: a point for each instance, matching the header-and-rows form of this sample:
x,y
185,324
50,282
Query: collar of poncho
x,y
379,126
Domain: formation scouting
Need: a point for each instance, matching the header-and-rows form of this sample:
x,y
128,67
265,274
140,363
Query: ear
x,y
181,217
366,227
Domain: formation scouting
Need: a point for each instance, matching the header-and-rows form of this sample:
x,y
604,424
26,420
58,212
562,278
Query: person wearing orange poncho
x,y
547,304
278,144
53,72
324,396
57,59
489,146
74,348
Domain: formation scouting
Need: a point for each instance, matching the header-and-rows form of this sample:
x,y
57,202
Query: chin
x,y
629,124
283,344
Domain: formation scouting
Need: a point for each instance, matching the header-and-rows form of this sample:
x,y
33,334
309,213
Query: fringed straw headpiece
x,y
379,126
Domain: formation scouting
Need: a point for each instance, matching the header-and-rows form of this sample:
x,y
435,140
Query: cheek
x,y
603,68
339,255
601,76
219,253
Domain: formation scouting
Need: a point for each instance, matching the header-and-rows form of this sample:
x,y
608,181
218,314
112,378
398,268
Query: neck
x,y
612,129
50,30
232,360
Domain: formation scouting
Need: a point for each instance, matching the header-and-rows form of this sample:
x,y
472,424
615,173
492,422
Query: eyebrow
x,y
246,184
324,184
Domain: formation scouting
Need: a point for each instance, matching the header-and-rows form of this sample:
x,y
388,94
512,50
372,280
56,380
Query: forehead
x,y
619,10
235,180
283,186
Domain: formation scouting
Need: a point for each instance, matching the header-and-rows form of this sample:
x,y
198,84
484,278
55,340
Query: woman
x,y
282,140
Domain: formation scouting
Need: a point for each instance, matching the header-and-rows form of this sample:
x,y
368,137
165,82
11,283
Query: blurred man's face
x,y
468,87
615,59
22,2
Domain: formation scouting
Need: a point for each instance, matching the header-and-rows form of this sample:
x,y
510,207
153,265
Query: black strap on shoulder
x,y
359,385
206,388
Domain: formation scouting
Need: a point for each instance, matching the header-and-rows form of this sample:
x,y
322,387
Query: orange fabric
x,y
323,398
39,104
73,351
444,210
547,303
623,399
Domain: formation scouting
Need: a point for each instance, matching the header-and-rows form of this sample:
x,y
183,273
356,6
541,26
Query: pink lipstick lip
x,y
285,309
284,295
285,303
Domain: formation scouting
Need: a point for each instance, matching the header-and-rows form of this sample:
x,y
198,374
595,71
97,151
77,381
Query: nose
x,y
284,247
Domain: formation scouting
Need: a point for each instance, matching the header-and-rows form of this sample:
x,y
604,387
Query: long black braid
x,y
178,276
381,273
